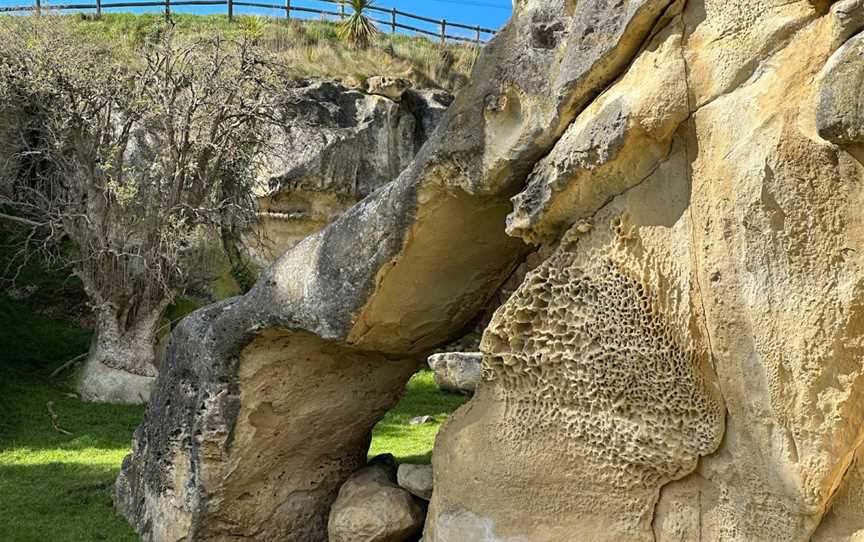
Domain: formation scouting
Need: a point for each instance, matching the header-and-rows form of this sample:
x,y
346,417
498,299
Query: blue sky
x,y
486,13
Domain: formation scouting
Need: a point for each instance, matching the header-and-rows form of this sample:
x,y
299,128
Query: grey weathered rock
x,y
100,383
840,115
417,479
265,403
337,146
371,508
457,372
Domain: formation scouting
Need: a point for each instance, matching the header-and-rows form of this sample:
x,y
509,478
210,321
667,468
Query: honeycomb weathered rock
x,y
586,349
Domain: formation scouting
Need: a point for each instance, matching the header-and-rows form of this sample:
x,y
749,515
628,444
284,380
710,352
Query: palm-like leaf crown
x,y
358,29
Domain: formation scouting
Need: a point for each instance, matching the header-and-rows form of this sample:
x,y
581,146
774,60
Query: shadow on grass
x,y
26,424
31,346
55,486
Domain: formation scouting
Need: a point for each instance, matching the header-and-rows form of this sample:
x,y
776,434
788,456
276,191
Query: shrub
x,y
358,29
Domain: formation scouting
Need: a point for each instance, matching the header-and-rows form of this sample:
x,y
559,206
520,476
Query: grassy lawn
x,y
56,487
413,443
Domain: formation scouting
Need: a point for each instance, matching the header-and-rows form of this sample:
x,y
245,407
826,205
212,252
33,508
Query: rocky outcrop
x,y
372,508
457,372
686,365
684,361
335,147
416,479
265,403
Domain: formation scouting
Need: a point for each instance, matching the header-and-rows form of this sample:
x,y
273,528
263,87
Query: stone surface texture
x,y
337,145
687,364
371,508
684,360
417,479
457,372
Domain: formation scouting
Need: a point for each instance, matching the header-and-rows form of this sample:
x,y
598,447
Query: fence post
x,y
341,10
288,9
38,8
478,34
98,9
443,32
230,10
393,19
167,11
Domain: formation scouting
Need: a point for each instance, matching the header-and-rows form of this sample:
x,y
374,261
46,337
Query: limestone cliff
x,y
686,362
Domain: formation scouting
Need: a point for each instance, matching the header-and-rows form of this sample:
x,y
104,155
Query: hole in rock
x,y
413,442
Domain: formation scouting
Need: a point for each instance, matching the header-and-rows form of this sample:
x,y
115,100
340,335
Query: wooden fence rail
x,y
479,33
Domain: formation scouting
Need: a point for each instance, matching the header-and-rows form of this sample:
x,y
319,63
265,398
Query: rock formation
x,y
417,479
457,372
336,147
685,362
372,508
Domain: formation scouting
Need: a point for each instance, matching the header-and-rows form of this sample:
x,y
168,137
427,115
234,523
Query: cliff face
x,y
687,363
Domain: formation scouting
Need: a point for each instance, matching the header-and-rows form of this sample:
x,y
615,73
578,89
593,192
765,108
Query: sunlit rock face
x,y
688,363
684,362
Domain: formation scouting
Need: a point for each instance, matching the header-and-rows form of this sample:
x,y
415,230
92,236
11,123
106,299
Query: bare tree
x,y
138,164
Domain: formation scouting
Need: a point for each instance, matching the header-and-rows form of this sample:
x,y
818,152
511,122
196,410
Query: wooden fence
x,y
340,10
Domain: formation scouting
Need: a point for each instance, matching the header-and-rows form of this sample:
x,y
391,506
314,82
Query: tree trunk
x,y
121,365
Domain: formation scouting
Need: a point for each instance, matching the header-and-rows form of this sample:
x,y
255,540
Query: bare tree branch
x,y
21,220
131,172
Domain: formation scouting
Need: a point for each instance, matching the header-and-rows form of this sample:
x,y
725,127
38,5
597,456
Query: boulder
x,y
416,479
371,508
335,147
97,382
421,420
389,87
684,361
457,372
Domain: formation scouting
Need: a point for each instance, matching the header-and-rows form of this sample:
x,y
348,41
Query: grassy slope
x,y
309,48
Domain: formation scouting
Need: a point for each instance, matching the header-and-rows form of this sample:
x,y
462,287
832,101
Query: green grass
x,y
413,443
54,486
